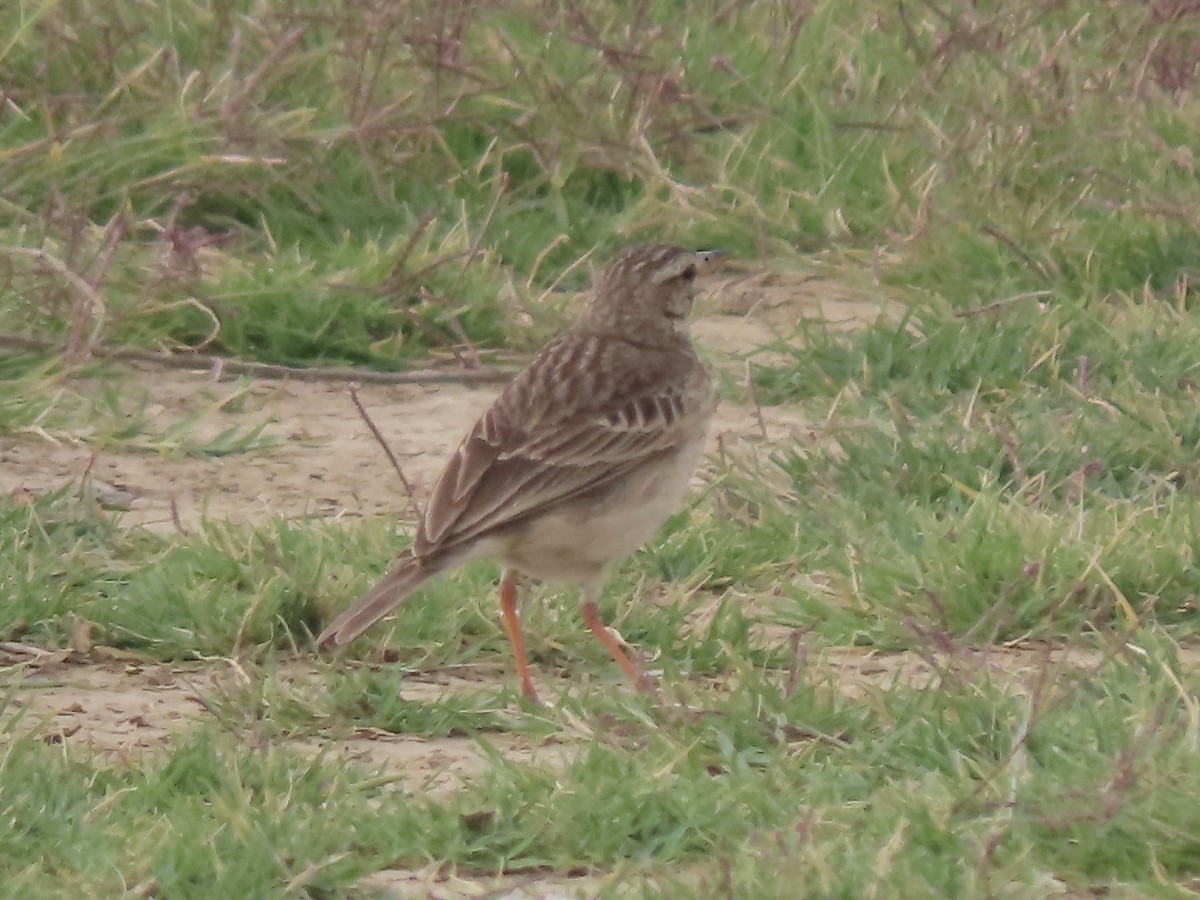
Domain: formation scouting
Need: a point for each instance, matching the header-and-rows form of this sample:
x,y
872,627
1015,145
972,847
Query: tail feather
x,y
391,590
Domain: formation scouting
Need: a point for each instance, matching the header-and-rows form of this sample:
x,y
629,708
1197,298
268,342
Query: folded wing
x,y
579,429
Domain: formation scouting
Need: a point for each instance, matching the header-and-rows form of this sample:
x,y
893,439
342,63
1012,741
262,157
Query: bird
x,y
578,462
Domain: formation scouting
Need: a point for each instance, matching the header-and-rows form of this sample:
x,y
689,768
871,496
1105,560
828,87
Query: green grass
x,y
1010,457
963,790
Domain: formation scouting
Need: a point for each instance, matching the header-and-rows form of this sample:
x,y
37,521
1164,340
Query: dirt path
x,y
113,704
327,464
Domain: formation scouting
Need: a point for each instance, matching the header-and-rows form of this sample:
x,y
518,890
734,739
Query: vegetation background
x,y
1010,462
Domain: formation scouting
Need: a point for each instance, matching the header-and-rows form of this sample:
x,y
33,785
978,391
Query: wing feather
x,y
556,433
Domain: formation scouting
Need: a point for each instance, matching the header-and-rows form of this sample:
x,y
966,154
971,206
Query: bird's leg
x,y
591,617
512,627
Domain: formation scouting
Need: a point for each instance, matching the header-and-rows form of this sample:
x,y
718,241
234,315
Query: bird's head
x,y
646,294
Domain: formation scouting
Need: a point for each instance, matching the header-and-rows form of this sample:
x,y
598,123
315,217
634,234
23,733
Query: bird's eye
x,y
689,273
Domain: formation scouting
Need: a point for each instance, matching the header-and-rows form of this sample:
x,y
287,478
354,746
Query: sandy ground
x,y
327,464
113,703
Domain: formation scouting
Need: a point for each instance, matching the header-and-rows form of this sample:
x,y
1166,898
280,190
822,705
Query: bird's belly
x,y
578,540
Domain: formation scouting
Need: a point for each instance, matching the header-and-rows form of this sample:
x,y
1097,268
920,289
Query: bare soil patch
x,y
121,707
327,464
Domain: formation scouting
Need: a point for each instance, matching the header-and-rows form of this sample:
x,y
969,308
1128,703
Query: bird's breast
x,y
576,541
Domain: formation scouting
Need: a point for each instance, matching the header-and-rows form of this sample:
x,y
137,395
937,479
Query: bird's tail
x,y
393,589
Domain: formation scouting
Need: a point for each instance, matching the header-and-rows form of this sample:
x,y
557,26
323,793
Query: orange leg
x,y
512,627
591,616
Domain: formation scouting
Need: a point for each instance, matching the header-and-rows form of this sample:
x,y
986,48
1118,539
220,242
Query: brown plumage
x,y
579,461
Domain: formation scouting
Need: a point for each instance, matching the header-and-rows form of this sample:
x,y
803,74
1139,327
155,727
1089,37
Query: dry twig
x,y
366,417
234,367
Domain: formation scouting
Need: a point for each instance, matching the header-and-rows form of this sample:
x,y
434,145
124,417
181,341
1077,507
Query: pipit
x,y
578,462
